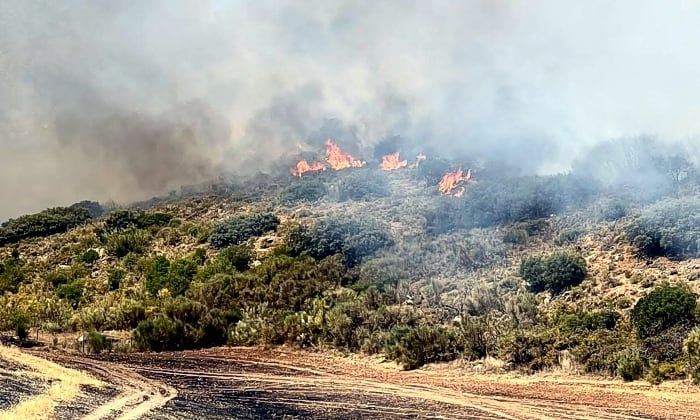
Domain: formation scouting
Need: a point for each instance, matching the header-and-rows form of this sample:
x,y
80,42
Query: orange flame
x,y
451,180
391,162
303,167
339,160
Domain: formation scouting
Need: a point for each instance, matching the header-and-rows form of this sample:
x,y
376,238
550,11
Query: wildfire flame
x,y
339,160
303,167
452,180
391,162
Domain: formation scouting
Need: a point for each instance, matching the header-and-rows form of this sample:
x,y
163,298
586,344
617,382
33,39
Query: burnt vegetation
x,y
528,270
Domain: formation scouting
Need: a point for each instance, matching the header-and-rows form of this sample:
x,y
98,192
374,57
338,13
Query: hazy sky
x,y
120,100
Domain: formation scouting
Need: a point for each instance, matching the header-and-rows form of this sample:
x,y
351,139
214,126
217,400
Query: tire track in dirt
x,y
137,395
321,383
494,407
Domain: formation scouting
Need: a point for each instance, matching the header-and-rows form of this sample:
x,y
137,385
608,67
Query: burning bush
x,y
668,228
513,200
556,272
238,230
352,238
306,190
363,185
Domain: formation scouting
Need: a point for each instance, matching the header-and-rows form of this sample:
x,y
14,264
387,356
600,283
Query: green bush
x,y
589,321
12,274
305,190
155,273
115,278
363,186
126,219
413,347
93,208
691,350
663,308
668,228
353,239
665,371
58,277
237,256
98,342
159,334
48,222
72,292
238,230
630,367
21,328
90,256
556,272
119,244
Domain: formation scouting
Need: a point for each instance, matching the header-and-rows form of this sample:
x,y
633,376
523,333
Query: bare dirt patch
x,y
260,383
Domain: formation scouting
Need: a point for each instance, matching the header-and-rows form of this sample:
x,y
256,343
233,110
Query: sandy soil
x,y
279,383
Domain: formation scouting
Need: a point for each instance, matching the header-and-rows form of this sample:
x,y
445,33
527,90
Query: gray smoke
x,y
119,100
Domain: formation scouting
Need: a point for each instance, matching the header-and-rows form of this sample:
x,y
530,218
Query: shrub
x,y
21,328
509,201
58,277
119,244
668,228
413,347
159,334
126,219
148,220
48,222
567,237
556,272
115,278
611,210
155,273
305,190
589,321
630,367
663,308
353,239
12,274
93,208
237,256
691,349
98,342
238,230
72,292
362,186
90,256
665,371
667,344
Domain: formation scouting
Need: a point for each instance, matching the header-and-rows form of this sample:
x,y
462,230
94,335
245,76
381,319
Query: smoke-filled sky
x,y
121,100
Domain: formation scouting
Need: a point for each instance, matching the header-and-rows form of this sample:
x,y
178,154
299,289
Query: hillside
x,y
530,272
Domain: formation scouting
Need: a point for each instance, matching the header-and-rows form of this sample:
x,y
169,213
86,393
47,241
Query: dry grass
x,y
65,385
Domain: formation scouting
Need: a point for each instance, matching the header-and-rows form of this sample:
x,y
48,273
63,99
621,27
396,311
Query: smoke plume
x,y
119,100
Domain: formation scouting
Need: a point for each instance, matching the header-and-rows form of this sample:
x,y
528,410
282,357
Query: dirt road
x,y
257,383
